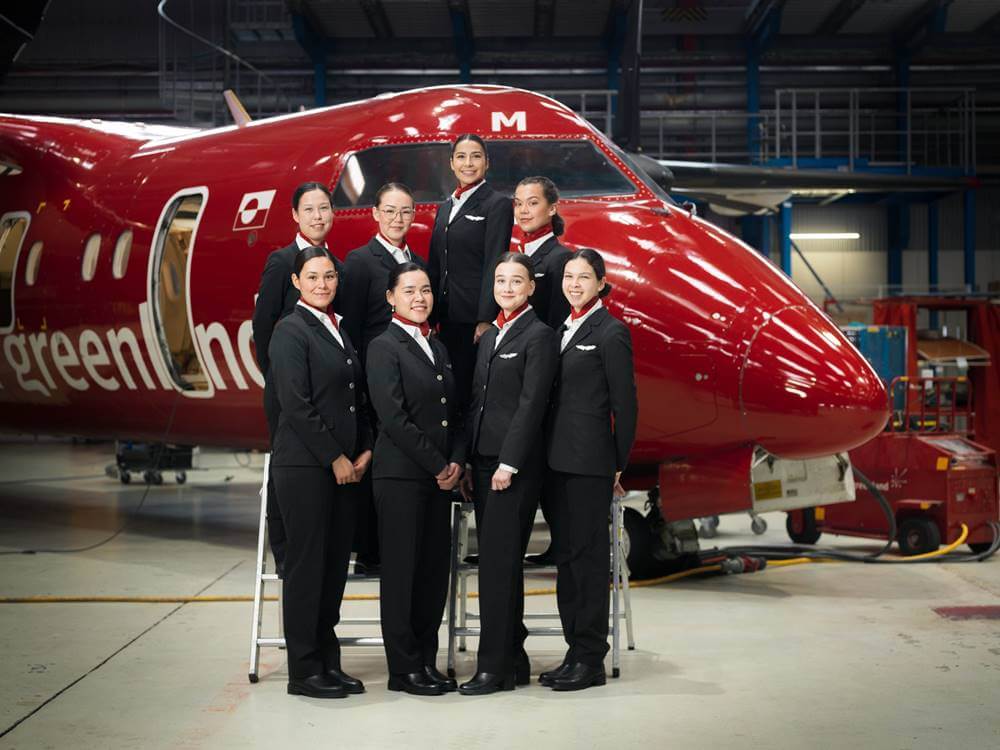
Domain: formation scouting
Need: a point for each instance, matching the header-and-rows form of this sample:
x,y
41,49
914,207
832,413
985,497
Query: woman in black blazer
x,y
536,211
514,371
471,230
419,456
367,314
591,428
321,448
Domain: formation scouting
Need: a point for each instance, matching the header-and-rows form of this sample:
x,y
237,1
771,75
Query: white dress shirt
x,y
325,320
457,203
414,331
302,243
401,254
529,248
572,326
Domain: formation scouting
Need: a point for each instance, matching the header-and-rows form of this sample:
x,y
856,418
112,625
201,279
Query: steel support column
x,y
899,238
756,232
933,245
785,237
969,238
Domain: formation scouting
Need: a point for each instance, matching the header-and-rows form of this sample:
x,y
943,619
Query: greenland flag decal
x,y
253,210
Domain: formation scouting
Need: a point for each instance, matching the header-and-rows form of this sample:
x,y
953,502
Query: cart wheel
x,y
253,678
758,525
124,477
801,526
979,548
709,527
638,542
181,477
918,535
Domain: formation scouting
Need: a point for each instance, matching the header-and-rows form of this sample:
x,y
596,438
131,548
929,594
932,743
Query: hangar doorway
x,y
170,290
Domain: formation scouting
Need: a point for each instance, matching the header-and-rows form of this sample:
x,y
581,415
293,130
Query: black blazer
x,y
510,392
277,297
417,407
319,386
595,382
462,254
548,300
362,302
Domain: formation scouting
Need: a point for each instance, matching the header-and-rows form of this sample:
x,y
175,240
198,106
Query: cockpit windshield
x,y
578,168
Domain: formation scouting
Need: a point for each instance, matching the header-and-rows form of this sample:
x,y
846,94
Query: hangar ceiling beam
x,y
837,17
545,17
377,18
991,26
461,30
928,19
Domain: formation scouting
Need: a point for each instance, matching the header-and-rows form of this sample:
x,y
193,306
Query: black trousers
x,y
276,535
319,517
583,555
457,338
503,523
415,537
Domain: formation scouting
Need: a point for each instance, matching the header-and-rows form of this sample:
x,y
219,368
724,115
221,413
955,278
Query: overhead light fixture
x,y
825,236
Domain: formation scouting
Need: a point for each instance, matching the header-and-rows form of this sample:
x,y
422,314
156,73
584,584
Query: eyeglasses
x,y
391,213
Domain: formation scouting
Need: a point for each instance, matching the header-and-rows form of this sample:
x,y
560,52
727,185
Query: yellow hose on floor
x,y
471,595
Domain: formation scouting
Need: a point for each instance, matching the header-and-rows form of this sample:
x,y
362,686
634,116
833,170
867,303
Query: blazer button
x,y
350,361
444,422
444,400
351,386
440,377
352,410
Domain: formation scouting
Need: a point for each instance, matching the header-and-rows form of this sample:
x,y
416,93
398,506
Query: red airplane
x,y
130,257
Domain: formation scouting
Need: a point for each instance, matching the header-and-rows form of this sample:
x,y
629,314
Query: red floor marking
x,y
969,613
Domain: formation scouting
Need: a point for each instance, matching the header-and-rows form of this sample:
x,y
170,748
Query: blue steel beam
x,y
763,24
317,47
969,238
933,245
461,31
785,237
898,226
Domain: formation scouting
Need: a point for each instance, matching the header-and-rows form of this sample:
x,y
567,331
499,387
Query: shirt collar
x,y
466,193
570,323
319,313
529,248
405,249
302,243
517,314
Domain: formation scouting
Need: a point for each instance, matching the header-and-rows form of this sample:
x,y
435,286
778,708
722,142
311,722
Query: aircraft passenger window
x,y
90,252
12,230
34,258
123,247
578,168
172,253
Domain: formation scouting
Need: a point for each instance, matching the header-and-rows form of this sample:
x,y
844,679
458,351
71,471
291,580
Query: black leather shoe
x,y
316,686
547,678
484,683
366,568
352,685
580,676
415,683
446,683
522,669
547,558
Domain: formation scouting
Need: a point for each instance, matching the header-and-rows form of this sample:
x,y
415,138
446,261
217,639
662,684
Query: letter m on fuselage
x,y
518,121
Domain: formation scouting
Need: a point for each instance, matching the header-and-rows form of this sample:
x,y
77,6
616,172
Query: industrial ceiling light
x,y
825,236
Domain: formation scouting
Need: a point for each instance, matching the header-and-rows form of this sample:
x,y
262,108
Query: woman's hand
x,y
618,491
361,464
501,480
343,470
481,328
449,476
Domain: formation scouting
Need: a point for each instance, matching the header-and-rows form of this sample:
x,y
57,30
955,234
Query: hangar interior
x,y
135,630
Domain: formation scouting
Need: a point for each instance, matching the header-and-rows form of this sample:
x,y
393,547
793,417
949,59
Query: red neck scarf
x,y
425,327
466,188
537,234
503,319
309,241
400,245
333,319
574,315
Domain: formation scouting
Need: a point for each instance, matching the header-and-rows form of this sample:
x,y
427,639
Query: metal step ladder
x,y
261,577
458,594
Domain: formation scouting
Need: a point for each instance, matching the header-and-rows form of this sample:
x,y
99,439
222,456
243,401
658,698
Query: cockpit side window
x,y
578,168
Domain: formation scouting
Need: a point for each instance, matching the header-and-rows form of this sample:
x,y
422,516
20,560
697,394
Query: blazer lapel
x,y
324,334
583,331
538,258
519,327
381,254
414,347
473,202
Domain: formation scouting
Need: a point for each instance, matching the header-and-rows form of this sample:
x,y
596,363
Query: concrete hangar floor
x,y
824,655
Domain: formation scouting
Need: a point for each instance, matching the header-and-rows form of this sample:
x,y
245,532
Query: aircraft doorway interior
x,y
12,230
172,254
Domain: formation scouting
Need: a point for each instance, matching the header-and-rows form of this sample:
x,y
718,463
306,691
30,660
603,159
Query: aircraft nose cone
x,y
805,391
